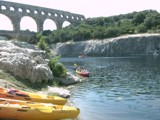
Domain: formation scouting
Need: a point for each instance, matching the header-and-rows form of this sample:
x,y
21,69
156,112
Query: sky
x,y
96,8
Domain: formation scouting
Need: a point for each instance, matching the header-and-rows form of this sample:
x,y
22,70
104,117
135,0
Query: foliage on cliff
x,y
57,68
106,27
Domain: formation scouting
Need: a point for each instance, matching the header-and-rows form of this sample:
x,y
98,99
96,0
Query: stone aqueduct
x,y
16,11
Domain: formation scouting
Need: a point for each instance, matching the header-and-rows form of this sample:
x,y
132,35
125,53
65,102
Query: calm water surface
x,y
123,88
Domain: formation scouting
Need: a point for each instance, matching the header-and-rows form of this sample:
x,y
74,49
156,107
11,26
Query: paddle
x,y
75,64
78,66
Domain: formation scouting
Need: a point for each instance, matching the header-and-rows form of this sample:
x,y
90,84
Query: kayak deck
x,y
29,96
23,110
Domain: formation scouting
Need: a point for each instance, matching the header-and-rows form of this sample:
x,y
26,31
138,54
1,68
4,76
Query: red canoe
x,y
83,73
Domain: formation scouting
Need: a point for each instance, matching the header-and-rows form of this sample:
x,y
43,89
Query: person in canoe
x,y
83,72
79,68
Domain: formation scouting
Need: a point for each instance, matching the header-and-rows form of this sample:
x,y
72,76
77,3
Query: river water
x,y
119,88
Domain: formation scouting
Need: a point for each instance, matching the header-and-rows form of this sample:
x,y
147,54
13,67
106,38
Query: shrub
x,y
42,44
141,29
57,68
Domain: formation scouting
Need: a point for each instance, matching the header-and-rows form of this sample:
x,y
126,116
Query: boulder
x,y
69,79
59,91
26,61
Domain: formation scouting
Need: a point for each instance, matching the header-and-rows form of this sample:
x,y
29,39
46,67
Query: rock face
x,y
68,80
59,91
140,44
25,61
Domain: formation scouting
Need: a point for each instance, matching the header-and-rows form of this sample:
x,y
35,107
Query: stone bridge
x,y
18,35
16,11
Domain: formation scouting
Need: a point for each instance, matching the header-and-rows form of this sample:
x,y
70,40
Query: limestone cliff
x,y
25,61
28,62
139,44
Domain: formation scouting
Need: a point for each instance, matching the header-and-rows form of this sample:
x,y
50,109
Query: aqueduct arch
x,y
16,11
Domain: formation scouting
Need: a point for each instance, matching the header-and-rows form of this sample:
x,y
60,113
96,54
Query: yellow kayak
x,y
29,96
23,110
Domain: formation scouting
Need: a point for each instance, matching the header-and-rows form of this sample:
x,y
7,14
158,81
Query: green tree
x,y
126,26
111,32
141,29
139,18
42,44
148,22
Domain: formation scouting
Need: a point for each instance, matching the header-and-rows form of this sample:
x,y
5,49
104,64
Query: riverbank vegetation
x,y
57,68
147,21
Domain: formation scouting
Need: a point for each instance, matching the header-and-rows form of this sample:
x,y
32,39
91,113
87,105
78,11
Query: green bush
x,y
42,44
141,29
57,68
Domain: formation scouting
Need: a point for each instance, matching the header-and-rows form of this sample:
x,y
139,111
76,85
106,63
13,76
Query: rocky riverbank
x,y
49,90
137,44
29,64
